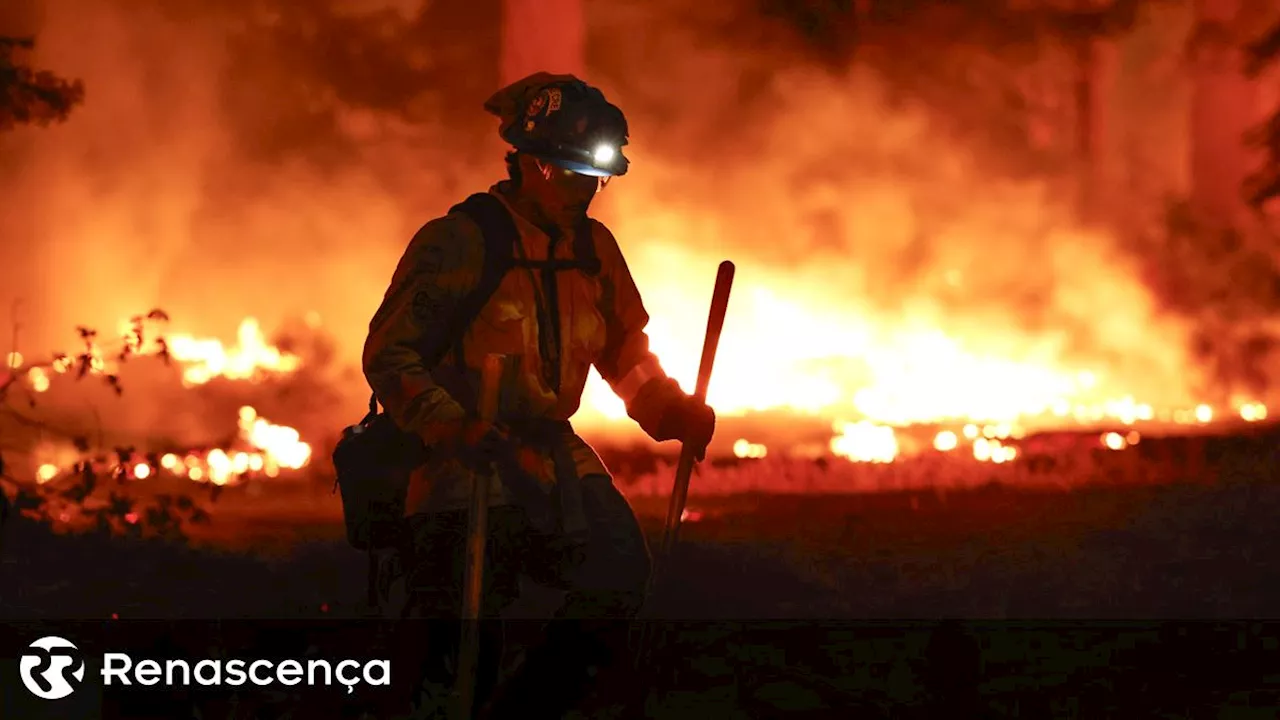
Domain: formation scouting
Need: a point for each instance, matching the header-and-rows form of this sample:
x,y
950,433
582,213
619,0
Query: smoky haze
x,y
241,158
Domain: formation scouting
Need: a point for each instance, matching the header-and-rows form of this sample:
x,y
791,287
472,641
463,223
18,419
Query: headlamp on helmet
x,y
565,122
603,154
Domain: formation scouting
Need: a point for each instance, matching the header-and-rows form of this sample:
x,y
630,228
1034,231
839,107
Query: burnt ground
x,y
776,594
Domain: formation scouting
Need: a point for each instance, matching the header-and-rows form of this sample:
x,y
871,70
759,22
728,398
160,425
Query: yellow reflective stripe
x,y
630,384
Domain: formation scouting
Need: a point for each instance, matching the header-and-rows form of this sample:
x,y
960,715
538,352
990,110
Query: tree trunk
x,y
1224,106
542,35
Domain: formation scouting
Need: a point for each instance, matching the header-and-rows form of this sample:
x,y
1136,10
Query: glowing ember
x,y
744,449
945,441
39,379
991,450
1204,413
865,442
1253,412
46,472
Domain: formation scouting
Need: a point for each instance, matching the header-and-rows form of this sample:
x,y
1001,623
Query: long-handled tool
x,y
684,470
477,530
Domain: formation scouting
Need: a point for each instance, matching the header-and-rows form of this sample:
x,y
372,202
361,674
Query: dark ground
x,y
1006,558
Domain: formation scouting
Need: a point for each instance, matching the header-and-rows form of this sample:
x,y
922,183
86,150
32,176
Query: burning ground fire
x,y
262,446
980,420
269,449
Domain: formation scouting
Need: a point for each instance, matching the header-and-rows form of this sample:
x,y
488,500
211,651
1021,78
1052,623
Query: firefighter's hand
x,y
691,421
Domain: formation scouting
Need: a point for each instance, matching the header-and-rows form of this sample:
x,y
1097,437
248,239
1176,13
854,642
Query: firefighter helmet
x,y
562,120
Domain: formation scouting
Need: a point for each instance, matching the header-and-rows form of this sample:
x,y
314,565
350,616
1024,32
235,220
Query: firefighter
x,y
555,514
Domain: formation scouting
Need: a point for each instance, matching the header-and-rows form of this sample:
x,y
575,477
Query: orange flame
x,y
204,358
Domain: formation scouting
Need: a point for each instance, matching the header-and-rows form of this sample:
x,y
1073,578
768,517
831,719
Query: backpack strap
x,y
584,257
500,236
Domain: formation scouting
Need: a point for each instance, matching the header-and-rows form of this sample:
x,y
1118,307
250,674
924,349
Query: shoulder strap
x,y
500,235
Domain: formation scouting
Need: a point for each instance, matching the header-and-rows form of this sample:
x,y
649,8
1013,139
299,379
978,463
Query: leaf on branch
x,y
85,361
162,350
86,333
160,519
27,500
78,492
119,505
158,314
114,382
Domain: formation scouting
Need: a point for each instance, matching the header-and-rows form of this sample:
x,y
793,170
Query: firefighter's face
x,y
560,192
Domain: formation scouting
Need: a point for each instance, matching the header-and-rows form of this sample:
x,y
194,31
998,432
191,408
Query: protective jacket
x,y
590,319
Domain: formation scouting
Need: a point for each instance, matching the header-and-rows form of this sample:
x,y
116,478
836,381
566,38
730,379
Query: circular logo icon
x,y
52,668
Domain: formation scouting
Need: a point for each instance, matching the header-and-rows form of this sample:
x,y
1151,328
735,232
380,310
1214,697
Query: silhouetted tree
x,y
29,96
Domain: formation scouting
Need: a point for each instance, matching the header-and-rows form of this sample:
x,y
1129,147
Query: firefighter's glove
x,y
691,421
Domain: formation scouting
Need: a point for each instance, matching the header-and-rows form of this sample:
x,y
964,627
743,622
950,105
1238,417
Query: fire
x,y
865,442
264,447
910,378
1253,412
46,472
201,359
282,445
945,441
204,359
744,449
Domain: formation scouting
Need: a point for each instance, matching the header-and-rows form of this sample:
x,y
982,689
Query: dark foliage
x,y
82,495
29,96
1264,186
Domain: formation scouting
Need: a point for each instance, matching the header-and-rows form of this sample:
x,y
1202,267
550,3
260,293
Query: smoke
x,y
262,158
230,161
868,210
